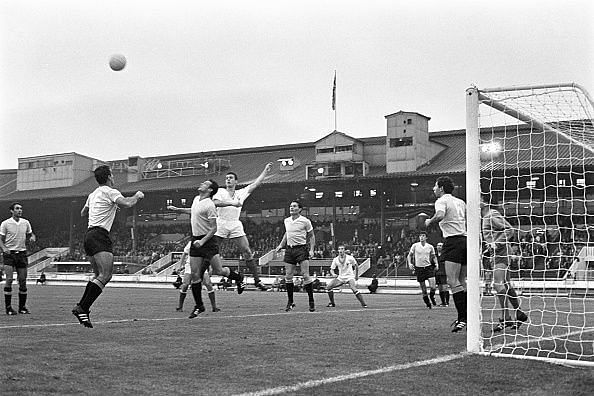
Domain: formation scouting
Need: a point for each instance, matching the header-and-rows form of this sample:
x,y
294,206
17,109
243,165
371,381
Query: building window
x,y
334,170
401,142
409,121
342,149
372,193
338,194
319,194
357,193
325,150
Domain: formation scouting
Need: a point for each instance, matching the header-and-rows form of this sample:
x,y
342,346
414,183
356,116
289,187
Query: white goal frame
x,y
476,97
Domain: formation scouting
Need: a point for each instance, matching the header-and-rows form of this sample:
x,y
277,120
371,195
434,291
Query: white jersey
x,y
15,233
345,266
102,207
297,230
454,221
230,213
422,254
203,213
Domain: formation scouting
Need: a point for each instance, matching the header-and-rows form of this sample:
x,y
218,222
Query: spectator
x,y
374,285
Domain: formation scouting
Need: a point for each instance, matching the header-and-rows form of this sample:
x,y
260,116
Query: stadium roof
x,y
545,151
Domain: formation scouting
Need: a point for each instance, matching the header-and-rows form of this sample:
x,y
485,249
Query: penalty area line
x,y
351,376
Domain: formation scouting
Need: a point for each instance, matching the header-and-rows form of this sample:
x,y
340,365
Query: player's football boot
x,y
240,286
197,311
179,309
312,307
332,305
24,310
458,325
502,325
521,318
82,316
290,307
261,286
10,311
216,310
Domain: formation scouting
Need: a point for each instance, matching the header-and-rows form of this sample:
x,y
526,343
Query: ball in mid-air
x,y
117,62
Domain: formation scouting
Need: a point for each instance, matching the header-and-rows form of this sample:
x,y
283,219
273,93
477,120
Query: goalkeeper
x,y
500,236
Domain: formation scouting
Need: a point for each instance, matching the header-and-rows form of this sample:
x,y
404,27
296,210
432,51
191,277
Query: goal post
x,y
531,150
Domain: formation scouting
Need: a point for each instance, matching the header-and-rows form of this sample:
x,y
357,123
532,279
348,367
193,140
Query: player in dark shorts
x,y
101,207
441,279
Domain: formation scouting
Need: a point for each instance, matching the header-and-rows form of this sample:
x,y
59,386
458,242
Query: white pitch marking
x,y
360,374
206,317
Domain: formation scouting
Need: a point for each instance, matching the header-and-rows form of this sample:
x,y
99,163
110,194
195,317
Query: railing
x,y
47,257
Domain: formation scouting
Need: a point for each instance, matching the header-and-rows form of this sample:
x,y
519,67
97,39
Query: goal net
x,y
530,150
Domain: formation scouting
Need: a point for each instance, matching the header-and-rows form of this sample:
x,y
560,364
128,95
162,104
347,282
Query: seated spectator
x,y
41,279
374,285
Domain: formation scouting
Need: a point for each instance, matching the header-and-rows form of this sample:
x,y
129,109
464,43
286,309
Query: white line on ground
x,y
205,317
360,374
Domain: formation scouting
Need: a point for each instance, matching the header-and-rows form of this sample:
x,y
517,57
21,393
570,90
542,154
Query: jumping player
x,y
229,202
183,291
101,207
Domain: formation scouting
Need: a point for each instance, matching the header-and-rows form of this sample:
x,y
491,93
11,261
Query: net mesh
x,y
537,163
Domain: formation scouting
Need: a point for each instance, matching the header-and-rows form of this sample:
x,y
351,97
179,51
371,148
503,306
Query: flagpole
x,y
334,101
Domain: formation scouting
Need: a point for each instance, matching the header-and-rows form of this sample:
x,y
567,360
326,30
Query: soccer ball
x,y
117,62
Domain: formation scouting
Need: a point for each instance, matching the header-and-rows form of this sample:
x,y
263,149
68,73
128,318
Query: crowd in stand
x,y
537,251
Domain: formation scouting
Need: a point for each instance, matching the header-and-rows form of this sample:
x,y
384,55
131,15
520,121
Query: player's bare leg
x,y
289,271
331,285
244,245
307,283
218,269
356,292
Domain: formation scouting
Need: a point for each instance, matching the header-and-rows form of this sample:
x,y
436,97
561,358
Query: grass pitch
x,y
140,345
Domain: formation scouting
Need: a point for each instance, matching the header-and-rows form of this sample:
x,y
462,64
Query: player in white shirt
x,y
101,207
203,220
229,202
450,213
348,273
14,233
298,232
423,261
187,269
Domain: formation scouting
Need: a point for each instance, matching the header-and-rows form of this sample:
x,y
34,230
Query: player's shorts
x,y
424,273
454,249
229,229
345,279
296,254
97,240
16,259
208,250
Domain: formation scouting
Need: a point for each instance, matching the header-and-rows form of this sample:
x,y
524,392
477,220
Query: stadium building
x,y
361,191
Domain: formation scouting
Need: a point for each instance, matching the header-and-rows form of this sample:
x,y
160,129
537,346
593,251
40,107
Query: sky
x,y
218,75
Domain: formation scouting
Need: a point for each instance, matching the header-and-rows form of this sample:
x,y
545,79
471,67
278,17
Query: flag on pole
x,y
334,93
